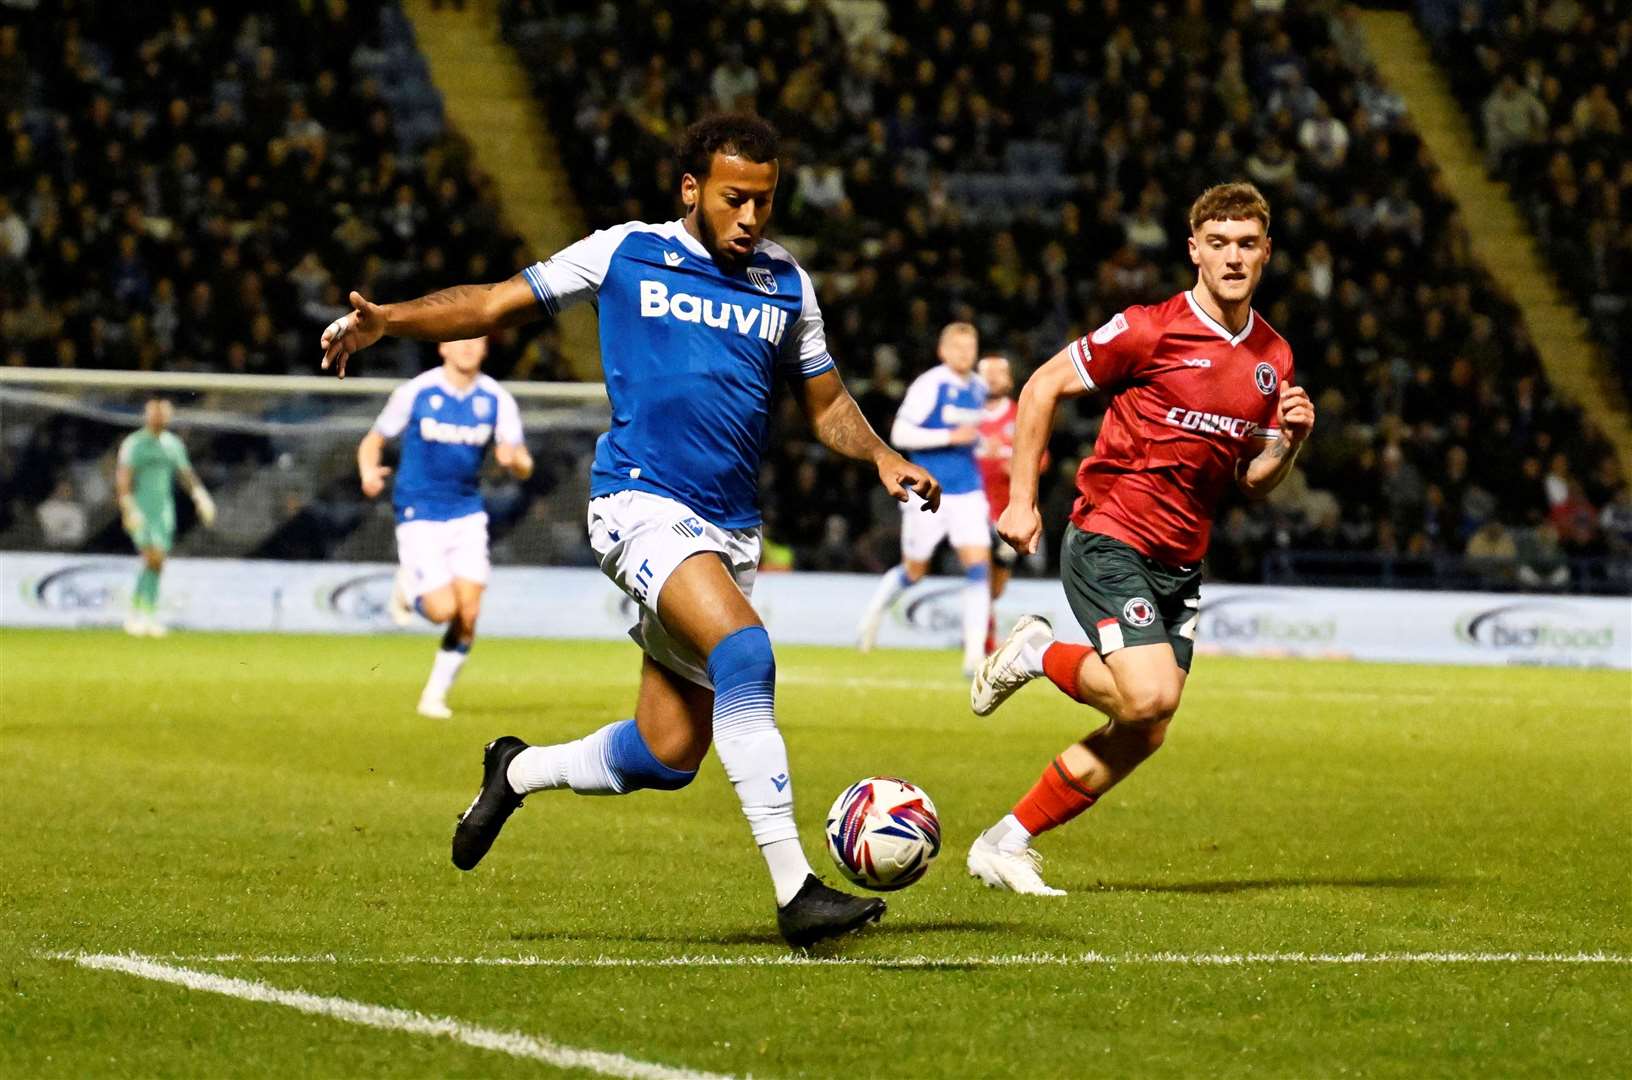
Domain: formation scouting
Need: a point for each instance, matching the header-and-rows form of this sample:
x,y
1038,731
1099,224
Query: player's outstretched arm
x,y
464,311
1261,473
839,424
514,458
1021,525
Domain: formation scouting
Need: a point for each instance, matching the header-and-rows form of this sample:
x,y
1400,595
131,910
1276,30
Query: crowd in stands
x,y
197,187
1028,167
1549,87
198,190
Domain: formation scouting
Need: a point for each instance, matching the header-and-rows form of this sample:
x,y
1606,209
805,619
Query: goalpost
x,y
278,453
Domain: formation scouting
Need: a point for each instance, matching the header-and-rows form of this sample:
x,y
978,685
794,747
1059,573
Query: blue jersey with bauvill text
x,y
445,434
940,401
689,350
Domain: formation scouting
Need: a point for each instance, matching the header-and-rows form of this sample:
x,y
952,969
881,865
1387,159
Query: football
x,y
883,833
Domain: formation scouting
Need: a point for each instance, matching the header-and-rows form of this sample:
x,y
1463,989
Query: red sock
x,y
1055,800
1061,662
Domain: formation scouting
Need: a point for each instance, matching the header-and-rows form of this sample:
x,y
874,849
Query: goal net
x,y
278,453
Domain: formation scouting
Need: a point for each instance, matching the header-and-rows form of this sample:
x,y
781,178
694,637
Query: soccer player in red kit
x,y
1200,395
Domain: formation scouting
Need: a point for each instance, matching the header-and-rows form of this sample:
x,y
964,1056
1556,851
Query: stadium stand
x,y
1027,167
1547,89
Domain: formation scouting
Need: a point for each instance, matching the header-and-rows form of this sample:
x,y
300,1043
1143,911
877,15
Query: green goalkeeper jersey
x,y
153,461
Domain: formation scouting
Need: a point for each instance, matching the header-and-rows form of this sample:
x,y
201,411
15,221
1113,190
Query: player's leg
x,y
703,608
463,556
454,649
1003,558
660,748
969,528
148,587
921,534
1135,612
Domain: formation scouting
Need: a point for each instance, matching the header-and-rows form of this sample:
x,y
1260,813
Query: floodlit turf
x,y
276,798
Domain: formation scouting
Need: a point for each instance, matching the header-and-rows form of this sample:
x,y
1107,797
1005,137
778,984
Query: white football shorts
x,y
435,552
962,519
640,538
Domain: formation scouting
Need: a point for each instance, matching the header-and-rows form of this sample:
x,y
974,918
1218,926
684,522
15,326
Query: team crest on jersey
x,y
436,401
1264,376
482,407
1105,333
763,279
1138,612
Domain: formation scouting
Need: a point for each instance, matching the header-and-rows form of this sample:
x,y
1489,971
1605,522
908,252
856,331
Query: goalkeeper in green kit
x,y
149,460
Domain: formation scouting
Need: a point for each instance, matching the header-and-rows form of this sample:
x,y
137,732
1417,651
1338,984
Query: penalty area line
x,y
928,963
515,1043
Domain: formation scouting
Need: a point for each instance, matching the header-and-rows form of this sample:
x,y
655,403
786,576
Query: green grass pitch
x,y
276,799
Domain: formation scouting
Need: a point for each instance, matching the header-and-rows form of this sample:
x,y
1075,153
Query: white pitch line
x,y
514,1043
1042,959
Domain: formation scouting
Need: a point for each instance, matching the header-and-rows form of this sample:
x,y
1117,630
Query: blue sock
x,y
634,766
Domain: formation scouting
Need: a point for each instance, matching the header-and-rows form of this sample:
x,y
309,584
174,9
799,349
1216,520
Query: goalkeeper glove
x,y
204,505
129,515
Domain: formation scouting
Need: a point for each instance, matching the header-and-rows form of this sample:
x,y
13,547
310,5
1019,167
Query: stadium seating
x,y
1546,89
1028,167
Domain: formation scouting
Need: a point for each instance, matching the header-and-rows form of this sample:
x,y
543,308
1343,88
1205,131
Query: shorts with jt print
x,y
1122,598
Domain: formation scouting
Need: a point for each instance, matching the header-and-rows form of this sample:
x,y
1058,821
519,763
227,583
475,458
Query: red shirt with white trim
x,y
1187,401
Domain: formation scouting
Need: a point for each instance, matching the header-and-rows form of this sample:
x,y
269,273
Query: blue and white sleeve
x,y
574,274
398,408
507,428
805,347
909,431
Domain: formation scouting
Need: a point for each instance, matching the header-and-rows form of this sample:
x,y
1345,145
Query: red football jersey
x,y
995,452
1187,399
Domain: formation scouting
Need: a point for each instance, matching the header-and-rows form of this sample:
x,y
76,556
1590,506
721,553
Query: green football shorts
x,y
1122,598
158,529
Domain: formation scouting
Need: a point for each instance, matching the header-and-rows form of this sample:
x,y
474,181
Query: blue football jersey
x,y
445,435
938,401
689,352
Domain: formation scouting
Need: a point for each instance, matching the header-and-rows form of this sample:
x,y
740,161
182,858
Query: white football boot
x,y
1016,873
434,708
155,628
135,625
397,607
1003,672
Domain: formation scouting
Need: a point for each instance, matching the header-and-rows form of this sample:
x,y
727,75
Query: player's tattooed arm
x,y
1262,473
840,426
463,311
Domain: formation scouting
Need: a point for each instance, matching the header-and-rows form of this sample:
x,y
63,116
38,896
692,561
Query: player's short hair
x,y
1236,201
958,328
732,134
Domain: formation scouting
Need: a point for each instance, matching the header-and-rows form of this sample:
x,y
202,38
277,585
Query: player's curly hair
x,y
1237,201
733,134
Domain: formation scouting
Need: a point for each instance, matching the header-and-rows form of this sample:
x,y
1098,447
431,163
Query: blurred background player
x,y
699,318
150,460
939,424
1200,394
994,453
446,417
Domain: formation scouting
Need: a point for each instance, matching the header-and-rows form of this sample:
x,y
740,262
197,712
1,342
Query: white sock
x,y
581,765
444,669
756,762
890,586
1031,656
977,613
789,868
1009,835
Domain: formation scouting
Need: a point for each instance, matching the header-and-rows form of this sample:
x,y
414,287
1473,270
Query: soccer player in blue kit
x,y
446,417
698,318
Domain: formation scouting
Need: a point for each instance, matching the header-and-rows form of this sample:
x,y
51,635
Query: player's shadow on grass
x,y
1399,881
887,928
